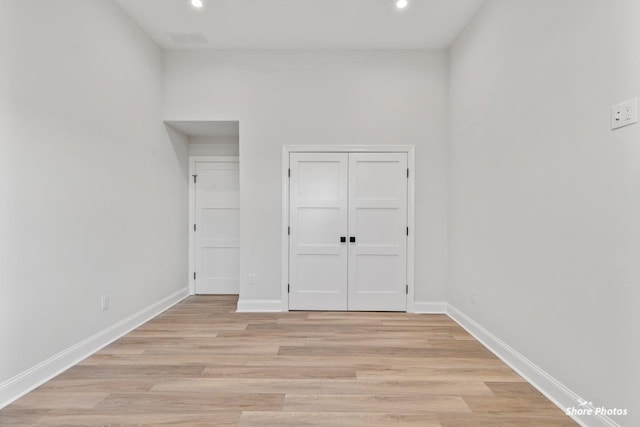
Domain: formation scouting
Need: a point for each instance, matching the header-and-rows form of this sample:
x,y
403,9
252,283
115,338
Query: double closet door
x,y
348,231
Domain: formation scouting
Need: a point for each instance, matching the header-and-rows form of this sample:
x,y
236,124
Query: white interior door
x,y
318,220
217,230
377,223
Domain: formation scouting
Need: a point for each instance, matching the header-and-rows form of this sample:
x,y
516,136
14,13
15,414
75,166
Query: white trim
x,y
348,148
284,248
411,223
193,159
259,305
553,389
411,207
23,383
430,307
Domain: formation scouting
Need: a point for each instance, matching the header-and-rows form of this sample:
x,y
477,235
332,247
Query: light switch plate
x,y
624,114
104,302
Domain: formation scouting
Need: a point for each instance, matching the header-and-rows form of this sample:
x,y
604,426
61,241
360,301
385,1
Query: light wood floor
x,y
200,363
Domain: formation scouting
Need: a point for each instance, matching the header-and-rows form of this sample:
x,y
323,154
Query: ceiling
x,y
206,128
302,24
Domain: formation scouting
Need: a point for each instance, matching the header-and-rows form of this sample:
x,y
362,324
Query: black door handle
x,y
352,239
343,239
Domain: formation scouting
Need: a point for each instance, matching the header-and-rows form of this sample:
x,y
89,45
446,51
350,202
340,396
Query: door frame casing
x,y
192,208
411,206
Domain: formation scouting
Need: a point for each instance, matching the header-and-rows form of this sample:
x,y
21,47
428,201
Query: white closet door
x,y
318,219
378,221
217,228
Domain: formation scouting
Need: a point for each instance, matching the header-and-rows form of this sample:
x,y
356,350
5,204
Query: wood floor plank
x,y
97,418
124,372
67,400
15,415
169,333
189,402
501,420
337,419
210,324
276,372
512,405
109,385
391,403
239,349
514,389
324,386
202,364
372,361
282,333
441,374
397,334
368,341
194,358
95,359
330,351
114,349
247,340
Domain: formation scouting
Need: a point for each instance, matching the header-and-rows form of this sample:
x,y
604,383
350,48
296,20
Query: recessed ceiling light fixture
x,y
196,3
401,4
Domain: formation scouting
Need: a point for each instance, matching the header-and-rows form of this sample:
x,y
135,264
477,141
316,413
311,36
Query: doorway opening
x,y
214,205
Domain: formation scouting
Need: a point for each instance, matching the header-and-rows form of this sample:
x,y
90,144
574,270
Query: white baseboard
x,y
23,383
553,389
259,305
430,307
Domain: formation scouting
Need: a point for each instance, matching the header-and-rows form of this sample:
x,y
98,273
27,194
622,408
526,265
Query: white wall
x,y
225,146
93,191
544,197
319,97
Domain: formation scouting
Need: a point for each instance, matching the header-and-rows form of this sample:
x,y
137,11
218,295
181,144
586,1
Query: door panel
x,y
378,220
359,195
318,218
218,228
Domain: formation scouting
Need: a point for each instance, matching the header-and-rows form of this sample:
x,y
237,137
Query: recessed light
x,y
196,3
401,4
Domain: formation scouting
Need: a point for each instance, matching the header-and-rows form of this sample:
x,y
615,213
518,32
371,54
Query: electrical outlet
x,y
252,279
624,114
474,296
104,302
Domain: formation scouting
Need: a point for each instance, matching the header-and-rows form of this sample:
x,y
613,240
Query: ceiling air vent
x,y
188,38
